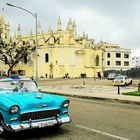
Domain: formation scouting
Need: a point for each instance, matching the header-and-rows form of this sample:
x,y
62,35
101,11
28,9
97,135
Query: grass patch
x,y
134,93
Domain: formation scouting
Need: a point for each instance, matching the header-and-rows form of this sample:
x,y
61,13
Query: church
x,y
62,53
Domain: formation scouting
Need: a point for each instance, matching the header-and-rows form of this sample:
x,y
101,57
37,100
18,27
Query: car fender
x,y
58,99
6,103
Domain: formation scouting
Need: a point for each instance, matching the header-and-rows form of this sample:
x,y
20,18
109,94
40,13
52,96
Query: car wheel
x,y
2,130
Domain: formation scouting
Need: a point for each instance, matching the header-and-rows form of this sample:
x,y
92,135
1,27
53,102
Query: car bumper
x,y
118,84
30,124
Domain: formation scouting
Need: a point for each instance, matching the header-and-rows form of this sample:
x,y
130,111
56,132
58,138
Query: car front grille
x,y
39,115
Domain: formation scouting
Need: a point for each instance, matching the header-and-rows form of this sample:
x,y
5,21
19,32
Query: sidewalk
x,y
108,93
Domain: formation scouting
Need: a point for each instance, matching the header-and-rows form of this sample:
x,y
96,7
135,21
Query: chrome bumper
x,y
40,124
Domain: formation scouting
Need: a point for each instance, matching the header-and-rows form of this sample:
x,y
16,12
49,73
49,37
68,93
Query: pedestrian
x,y
99,75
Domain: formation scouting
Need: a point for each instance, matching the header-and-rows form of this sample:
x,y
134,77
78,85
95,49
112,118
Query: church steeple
x,y
74,26
11,39
38,27
19,30
84,35
2,18
4,26
69,25
59,24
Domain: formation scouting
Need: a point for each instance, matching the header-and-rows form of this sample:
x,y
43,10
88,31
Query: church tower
x,y
59,25
38,27
70,25
74,28
4,26
19,32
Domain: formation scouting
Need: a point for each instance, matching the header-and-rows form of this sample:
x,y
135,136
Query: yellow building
x,y
62,53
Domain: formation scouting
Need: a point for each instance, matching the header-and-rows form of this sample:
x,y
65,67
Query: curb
x,y
96,98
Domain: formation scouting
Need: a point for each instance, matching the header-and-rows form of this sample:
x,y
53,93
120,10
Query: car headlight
x,y
65,103
14,109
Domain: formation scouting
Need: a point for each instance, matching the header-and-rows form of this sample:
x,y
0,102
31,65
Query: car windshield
x,y
119,77
11,85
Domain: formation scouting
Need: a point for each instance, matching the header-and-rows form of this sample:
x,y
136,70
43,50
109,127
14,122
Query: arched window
x,y
46,57
97,60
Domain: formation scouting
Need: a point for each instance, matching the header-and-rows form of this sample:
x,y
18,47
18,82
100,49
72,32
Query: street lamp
x,y
35,16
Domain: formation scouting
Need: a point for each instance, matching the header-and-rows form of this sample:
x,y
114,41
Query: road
x,y
91,120
81,81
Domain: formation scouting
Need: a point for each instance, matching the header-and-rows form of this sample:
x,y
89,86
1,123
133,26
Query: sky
x,y
113,21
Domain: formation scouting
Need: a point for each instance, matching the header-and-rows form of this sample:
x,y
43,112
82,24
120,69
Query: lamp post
x,y
35,16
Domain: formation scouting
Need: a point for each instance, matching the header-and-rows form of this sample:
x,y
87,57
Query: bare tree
x,y
12,53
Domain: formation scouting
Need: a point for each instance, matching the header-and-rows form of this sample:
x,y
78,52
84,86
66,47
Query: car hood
x,y
32,100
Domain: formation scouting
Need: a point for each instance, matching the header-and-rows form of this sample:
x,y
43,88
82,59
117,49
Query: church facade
x,y
63,53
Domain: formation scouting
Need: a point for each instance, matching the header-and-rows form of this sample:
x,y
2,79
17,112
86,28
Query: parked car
x,y
111,76
22,106
122,80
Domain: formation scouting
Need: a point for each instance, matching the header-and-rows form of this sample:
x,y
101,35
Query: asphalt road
x,y
81,81
91,120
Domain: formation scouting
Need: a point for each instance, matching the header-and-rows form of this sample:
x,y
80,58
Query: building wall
x,y
135,63
62,53
124,59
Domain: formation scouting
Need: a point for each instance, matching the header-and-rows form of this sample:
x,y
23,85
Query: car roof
x,y
15,79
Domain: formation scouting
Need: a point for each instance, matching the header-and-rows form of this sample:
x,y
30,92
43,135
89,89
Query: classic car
x,y
122,80
22,106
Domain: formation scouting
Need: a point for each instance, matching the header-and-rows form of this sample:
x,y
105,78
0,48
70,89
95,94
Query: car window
x,y
119,77
11,85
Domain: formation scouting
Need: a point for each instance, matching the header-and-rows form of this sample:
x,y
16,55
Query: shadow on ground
x,y
50,132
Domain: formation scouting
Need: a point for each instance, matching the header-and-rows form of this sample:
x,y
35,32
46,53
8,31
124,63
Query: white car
x,y
122,80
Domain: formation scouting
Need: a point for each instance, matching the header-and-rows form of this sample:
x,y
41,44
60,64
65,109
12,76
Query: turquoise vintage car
x,y
22,106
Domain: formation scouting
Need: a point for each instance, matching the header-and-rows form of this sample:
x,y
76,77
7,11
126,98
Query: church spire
x,y
19,30
2,18
38,27
59,24
84,35
74,25
11,39
69,25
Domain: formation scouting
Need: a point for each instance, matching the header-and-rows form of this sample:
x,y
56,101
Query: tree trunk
x,y
9,71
